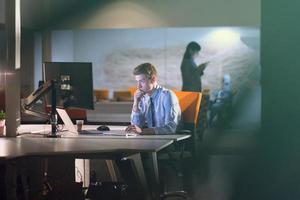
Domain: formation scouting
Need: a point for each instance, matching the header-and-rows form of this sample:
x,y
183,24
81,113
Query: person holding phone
x,y
155,109
190,71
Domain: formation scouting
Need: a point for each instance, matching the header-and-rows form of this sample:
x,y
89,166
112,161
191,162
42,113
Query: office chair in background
x,y
101,94
190,105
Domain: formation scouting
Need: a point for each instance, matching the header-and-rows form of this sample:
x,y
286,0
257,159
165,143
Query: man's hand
x,y
133,129
138,95
137,98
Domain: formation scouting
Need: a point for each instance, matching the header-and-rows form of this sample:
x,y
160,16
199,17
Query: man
x,y
155,109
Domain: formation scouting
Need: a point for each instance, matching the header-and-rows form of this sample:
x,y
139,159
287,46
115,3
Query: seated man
x,y
222,102
155,109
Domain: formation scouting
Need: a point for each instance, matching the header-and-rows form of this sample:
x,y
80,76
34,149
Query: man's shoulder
x,y
164,90
167,93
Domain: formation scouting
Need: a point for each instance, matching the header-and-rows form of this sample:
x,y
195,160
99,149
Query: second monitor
x,y
74,83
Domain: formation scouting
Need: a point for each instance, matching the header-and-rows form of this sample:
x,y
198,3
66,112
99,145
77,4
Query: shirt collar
x,y
155,92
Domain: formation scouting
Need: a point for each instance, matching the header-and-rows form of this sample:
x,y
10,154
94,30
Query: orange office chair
x,y
101,94
132,90
190,105
75,114
123,95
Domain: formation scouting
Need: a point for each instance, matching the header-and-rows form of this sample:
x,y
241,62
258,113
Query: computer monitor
x,y
74,83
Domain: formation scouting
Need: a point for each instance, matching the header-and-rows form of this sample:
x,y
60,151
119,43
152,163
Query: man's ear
x,y
153,79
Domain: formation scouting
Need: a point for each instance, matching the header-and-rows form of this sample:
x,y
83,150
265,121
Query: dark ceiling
x,y
42,14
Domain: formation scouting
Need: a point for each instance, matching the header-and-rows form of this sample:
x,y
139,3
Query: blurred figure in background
x,y
221,105
191,72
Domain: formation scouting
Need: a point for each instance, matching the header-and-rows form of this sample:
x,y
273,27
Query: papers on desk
x,y
107,133
119,133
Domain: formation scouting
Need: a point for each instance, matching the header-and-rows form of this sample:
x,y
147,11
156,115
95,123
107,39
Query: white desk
x,y
39,129
83,146
44,129
22,147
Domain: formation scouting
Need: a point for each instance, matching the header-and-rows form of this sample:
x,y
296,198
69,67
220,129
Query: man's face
x,y
144,84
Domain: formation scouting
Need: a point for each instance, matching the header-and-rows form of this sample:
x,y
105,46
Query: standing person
x,y
190,71
155,109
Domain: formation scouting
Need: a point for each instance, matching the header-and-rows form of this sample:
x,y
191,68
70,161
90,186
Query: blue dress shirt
x,y
167,112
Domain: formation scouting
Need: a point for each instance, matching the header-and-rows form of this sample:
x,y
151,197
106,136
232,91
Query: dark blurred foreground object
x,y
107,191
178,195
62,191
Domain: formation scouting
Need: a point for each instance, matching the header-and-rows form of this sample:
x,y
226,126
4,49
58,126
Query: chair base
x,y
174,195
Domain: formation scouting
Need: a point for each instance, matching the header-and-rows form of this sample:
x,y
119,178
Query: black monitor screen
x,y
74,83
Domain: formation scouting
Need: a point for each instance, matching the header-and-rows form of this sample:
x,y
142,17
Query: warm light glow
x,y
123,14
223,38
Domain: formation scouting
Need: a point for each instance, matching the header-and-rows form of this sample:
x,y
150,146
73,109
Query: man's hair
x,y
192,46
147,69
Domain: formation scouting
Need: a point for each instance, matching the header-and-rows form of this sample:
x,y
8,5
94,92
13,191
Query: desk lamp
x,y
28,103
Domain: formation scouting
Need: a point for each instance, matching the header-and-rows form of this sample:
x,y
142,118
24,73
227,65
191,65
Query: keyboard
x,y
108,133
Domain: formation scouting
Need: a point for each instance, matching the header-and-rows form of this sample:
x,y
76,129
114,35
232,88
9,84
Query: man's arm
x,y
172,115
136,116
137,99
138,130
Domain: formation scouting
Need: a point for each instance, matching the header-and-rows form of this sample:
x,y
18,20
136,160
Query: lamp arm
x,y
36,113
29,101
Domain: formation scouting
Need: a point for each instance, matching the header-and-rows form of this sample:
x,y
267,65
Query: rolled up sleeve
x,y
136,118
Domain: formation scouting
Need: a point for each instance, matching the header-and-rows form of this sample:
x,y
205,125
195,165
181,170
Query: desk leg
x,y
155,167
111,170
157,186
11,180
136,158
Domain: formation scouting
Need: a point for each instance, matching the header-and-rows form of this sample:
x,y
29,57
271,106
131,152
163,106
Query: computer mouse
x,y
103,128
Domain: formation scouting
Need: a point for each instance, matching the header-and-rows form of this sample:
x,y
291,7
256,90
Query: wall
x,y
114,53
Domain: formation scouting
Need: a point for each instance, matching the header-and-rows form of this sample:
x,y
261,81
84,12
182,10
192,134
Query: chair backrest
x,y
101,94
190,105
122,95
75,114
132,90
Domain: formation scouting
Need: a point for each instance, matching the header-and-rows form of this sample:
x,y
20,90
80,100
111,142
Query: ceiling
x,y
41,14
